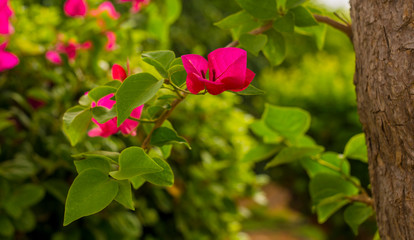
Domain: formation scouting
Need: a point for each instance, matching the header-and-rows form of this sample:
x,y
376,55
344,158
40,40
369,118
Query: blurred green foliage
x,y
36,164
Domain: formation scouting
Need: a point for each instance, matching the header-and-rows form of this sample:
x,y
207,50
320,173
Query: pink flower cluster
x,y
128,127
226,69
79,8
70,49
7,60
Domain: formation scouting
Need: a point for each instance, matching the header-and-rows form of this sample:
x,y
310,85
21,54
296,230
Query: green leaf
x,y
285,23
291,154
260,152
160,60
266,9
126,224
100,163
250,90
173,8
76,122
293,3
253,43
275,49
179,77
103,114
124,195
325,164
85,101
303,17
163,178
114,83
100,92
289,122
133,161
356,214
91,191
328,192
164,135
261,129
110,155
7,228
356,148
26,222
135,91
137,182
234,20
317,32
23,198
17,169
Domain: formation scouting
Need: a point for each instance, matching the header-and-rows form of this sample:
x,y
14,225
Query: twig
x,y
142,120
161,120
256,31
362,198
341,27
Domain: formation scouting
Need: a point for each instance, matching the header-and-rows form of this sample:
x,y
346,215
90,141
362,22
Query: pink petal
x,y
214,88
53,57
5,26
7,60
194,63
108,8
95,132
75,8
110,44
234,76
128,127
118,73
86,45
70,50
249,77
106,101
228,61
196,68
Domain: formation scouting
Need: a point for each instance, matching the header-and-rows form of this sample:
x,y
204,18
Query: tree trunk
x,y
383,36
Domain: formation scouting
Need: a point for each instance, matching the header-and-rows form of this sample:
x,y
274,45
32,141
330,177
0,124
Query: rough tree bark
x,y
383,36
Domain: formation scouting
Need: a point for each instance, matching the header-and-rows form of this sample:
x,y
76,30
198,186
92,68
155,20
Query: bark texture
x,y
383,36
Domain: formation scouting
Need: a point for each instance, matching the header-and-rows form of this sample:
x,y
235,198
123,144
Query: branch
x,y
161,120
363,198
341,27
256,31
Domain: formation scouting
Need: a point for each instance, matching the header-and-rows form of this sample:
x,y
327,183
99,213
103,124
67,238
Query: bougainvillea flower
x,y
227,70
5,14
70,49
118,73
110,43
128,127
7,60
75,8
137,4
106,7
54,57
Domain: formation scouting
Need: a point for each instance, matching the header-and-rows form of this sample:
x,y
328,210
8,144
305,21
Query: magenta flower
x,y
137,4
70,49
226,71
108,8
54,57
75,8
5,14
110,44
118,73
7,60
128,127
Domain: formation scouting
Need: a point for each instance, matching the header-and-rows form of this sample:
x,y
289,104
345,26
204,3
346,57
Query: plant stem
x,y
341,27
160,121
256,31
